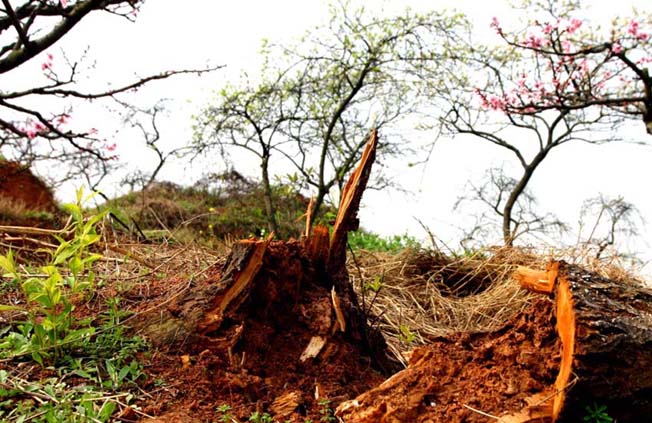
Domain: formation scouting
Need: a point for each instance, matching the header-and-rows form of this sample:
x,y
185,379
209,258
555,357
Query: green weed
x,y
50,328
406,336
597,414
52,400
326,412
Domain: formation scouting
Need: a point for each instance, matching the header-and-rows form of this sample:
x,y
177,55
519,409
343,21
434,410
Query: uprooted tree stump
x,y
586,340
280,319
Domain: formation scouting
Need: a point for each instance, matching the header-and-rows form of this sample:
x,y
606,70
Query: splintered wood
x,y
241,270
586,339
347,219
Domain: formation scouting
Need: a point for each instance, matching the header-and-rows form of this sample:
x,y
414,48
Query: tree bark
x,y
586,340
268,199
509,232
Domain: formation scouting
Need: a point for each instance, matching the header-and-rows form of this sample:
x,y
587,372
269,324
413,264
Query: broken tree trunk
x,y
586,340
605,328
282,315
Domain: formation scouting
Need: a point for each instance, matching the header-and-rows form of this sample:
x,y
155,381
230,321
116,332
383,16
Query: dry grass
x,y
424,294
17,211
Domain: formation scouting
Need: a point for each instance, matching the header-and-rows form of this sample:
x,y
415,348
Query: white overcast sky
x,y
172,34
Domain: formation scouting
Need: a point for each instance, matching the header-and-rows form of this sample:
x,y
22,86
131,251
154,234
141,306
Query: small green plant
x,y
50,327
119,374
108,359
374,285
257,417
326,412
597,414
226,416
406,336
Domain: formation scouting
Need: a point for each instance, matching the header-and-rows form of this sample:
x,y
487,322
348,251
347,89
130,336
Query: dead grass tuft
x,y
425,294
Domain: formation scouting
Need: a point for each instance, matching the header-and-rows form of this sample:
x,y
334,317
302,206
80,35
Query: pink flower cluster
x,y
533,41
496,26
573,25
633,29
35,129
47,65
491,101
572,71
616,48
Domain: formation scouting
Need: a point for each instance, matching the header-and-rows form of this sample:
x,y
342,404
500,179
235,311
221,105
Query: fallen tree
x,y
585,340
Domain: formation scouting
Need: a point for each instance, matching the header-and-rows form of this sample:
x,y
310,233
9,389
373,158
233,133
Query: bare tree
x,y
146,121
488,203
608,221
30,131
250,118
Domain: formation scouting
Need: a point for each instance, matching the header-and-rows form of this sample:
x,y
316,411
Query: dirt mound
x,y
455,378
25,200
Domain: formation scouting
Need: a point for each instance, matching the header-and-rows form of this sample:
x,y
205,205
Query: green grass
x,y
207,212
369,241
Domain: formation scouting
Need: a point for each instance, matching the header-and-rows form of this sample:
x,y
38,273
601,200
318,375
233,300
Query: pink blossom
x,y
48,62
533,41
62,119
566,46
496,103
64,3
574,25
496,26
92,131
521,84
547,29
616,48
111,147
31,133
39,127
632,28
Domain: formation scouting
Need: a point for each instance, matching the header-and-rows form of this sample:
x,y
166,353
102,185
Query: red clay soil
x,y
19,184
468,378
22,192
251,362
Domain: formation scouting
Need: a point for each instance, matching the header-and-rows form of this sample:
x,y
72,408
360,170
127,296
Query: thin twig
x,y
482,413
